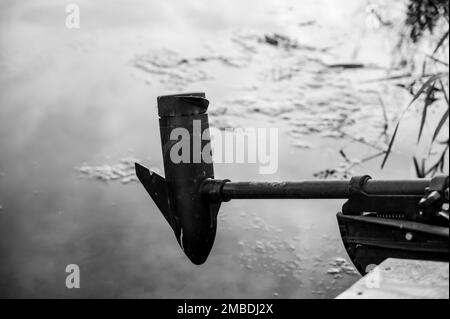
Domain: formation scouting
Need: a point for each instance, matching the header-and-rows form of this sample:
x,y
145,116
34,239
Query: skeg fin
x,y
156,186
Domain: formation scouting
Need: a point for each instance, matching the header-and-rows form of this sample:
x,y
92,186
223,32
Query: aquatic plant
x,y
423,15
422,19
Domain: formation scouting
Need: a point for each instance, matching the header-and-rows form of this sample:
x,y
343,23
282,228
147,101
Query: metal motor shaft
x,y
189,197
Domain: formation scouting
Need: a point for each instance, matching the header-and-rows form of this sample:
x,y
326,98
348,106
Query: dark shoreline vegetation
x,y
422,19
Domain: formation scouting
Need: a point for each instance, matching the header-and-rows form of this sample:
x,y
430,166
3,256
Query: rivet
x,y
409,236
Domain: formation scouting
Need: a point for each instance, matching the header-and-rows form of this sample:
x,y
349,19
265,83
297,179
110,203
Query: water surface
x,y
78,106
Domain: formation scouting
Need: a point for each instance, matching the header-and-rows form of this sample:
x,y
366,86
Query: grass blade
x,y
443,91
441,41
440,125
388,151
428,101
437,60
426,85
419,172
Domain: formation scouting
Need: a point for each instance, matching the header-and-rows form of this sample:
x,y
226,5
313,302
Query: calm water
x,y
76,104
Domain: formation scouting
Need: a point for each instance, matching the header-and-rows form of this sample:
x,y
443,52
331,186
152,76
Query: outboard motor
x,y
380,219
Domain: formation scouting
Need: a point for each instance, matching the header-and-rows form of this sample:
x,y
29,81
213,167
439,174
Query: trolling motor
x,y
380,219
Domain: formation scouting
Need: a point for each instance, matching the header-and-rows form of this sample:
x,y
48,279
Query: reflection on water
x,y
81,103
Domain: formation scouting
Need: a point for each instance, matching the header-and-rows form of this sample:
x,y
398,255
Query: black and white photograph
x,y
229,157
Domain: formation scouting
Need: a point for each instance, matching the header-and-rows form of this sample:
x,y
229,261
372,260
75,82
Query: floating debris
x,y
301,144
283,41
270,253
341,266
172,70
122,171
175,71
295,88
334,173
333,271
307,23
347,65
